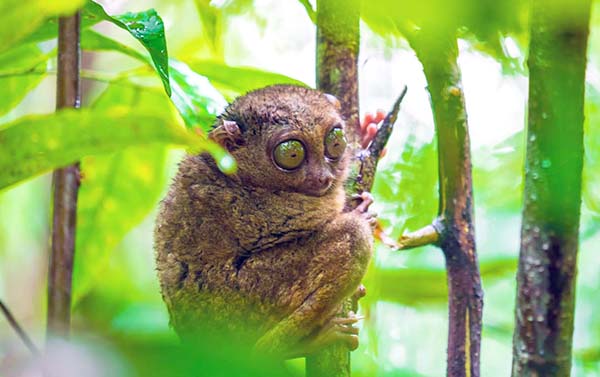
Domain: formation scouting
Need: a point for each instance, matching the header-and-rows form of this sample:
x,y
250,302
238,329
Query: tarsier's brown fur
x,y
262,257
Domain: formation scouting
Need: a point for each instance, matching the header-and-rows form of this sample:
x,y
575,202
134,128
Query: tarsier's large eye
x,y
289,154
335,143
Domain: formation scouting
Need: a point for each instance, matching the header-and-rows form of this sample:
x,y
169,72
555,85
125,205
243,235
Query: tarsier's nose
x,y
319,182
325,180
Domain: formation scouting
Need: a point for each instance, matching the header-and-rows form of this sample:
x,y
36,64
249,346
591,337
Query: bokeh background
x,y
404,334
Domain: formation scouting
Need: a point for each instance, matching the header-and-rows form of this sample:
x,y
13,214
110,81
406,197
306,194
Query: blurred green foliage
x,y
123,138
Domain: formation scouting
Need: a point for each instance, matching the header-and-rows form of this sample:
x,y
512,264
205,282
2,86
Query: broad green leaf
x,y
117,192
239,80
196,99
19,18
15,82
94,41
35,144
118,189
147,27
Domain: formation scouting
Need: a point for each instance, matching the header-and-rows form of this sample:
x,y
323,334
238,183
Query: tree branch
x,y
19,330
368,159
427,235
66,185
544,311
437,49
338,42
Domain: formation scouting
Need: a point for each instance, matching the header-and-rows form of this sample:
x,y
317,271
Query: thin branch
x,y
383,133
66,185
19,330
437,49
427,235
369,158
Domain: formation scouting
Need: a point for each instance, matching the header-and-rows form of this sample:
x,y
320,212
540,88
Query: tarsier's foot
x,y
363,207
336,330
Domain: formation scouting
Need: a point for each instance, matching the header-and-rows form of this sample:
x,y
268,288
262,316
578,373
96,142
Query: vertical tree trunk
x,y
337,74
437,50
549,234
66,184
338,40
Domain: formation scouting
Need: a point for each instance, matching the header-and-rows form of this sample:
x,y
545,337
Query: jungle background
x,y
120,324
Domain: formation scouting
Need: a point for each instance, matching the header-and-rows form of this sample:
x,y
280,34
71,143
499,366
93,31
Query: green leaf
x,y
19,18
94,41
148,28
239,80
35,144
120,189
195,98
117,193
14,83
312,14
197,101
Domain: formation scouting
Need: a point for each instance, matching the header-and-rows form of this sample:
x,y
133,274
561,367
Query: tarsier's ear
x,y
227,134
333,100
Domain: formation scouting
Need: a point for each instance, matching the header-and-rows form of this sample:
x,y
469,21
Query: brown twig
x,y
66,185
437,49
19,330
369,158
428,235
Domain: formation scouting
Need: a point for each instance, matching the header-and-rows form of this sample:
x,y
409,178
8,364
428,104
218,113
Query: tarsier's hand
x,y
366,199
368,127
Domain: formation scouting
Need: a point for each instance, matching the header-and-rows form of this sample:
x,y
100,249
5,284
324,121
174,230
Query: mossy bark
x,y
437,49
337,74
543,334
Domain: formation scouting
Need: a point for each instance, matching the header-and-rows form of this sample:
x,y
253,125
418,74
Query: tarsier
x,y
266,256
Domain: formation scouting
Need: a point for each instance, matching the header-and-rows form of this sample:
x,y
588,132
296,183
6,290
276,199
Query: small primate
x,y
264,258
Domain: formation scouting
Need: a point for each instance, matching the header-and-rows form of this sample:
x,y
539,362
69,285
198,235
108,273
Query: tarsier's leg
x,y
342,253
